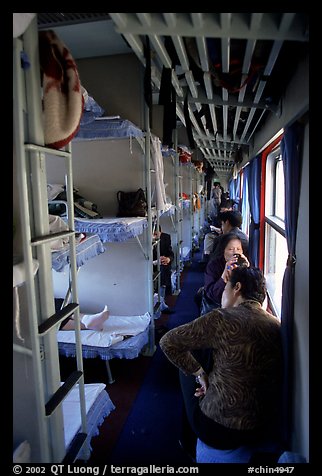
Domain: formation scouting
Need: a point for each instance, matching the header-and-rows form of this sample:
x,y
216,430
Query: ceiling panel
x,y
232,67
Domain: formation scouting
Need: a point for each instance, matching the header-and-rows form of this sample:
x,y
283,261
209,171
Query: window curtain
x,y
244,208
291,155
254,189
233,188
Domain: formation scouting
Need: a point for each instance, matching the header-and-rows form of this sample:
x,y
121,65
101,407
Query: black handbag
x,y
131,204
207,304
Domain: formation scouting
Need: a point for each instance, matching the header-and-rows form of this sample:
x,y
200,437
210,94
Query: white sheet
x,y
71,408
115,328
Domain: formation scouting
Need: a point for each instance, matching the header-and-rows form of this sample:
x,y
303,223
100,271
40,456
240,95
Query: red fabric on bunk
x,y
63,101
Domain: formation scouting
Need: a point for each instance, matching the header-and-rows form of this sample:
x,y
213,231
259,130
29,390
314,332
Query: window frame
x,y
276,223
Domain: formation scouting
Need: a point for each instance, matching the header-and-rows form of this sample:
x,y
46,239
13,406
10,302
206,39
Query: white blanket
x,y
115,328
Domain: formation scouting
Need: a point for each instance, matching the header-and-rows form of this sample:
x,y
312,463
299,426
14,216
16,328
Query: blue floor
x,y
151,432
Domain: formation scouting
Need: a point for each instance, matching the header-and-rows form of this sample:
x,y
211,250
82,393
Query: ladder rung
x,y
62,392
75,448
57,317
47,150
40,240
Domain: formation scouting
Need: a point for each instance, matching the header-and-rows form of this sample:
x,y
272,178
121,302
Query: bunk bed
x,y
86,249
121,234
112,229
108,127
121,337
98,407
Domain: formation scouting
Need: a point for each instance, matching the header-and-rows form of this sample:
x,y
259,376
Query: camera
x,y
240,260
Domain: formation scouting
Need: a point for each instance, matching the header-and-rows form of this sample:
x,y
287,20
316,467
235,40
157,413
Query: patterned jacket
x,y
244,384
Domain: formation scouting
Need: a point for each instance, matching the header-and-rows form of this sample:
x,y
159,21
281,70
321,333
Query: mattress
x,y
98,407
112,229
105,128
122,337
90,247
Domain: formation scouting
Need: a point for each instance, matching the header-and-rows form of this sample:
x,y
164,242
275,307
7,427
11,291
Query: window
x,y
275,242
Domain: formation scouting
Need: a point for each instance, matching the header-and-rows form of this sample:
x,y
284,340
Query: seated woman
x,y
88,321
217,272
234,403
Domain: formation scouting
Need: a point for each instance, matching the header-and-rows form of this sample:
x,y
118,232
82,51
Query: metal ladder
x,y
43,320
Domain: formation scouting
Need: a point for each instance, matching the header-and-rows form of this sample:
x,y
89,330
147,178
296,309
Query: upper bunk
x,y
89,247
113,127
112,229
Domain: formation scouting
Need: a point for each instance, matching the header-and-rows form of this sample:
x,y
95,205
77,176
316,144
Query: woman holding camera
x,y
218,271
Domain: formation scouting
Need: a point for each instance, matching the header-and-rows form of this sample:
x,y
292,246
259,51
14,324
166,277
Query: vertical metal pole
x,y
151,345
177,211
73,274
191,208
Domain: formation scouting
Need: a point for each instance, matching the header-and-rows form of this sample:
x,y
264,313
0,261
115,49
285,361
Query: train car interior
x,y
166,103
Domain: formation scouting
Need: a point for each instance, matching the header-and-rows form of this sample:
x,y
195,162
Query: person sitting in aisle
x,y
215,231
87,321
226,202
234,403
231,221
215,199
230,254
166,258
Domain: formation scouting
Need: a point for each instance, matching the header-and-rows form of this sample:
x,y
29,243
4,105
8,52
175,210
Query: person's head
x,y
157,232
244,283
230,219
229,245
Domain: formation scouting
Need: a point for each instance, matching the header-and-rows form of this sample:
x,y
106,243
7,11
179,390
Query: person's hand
x,y
230,265
203,382
246,260
165,260
216,229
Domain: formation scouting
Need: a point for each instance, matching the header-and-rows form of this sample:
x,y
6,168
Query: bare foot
x,y
96,321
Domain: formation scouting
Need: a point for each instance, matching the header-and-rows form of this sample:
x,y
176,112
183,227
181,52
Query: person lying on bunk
x,y
230,254
87,321
166,258
235,402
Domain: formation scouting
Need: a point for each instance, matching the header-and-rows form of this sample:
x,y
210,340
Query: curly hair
x,y
252,280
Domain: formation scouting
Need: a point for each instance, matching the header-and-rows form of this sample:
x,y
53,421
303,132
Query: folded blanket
x,y
62,96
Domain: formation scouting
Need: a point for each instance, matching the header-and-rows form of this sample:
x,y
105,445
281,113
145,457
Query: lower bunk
x,y
123,337
98,407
